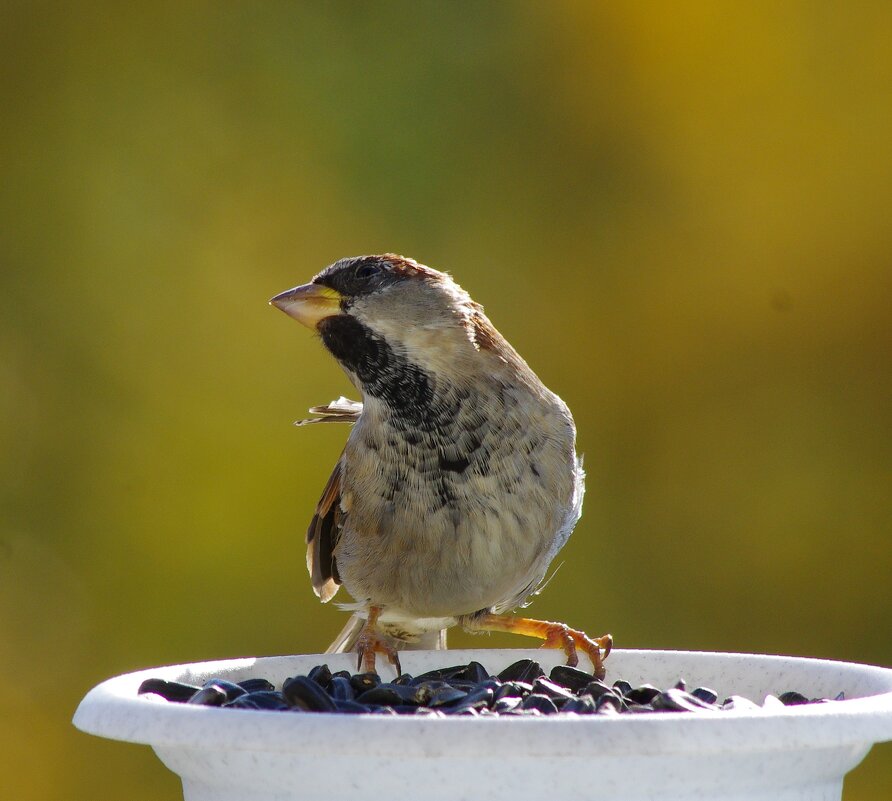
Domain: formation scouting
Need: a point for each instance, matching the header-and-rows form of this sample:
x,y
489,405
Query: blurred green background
x,y
679,214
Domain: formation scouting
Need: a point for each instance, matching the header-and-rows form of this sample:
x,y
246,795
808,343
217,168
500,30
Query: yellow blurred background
x,y
678,213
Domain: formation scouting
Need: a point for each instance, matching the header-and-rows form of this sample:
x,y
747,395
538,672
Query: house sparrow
x,y
459,482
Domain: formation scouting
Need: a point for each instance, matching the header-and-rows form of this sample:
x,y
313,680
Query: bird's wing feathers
x,y
342,410
322,538
325,527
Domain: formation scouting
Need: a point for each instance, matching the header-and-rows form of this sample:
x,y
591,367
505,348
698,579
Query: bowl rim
x,y
113,709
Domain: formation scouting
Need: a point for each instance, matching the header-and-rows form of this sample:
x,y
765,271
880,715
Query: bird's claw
x,y
554,635
370,643
570,640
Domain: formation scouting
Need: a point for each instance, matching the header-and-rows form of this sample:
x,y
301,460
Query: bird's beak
x,y
309,304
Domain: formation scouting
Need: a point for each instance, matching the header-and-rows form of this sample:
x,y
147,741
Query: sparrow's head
x,y
370,310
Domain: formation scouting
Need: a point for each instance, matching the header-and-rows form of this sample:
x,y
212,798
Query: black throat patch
x,y
403,386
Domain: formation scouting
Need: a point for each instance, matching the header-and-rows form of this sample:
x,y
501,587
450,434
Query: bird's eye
x,y
368,270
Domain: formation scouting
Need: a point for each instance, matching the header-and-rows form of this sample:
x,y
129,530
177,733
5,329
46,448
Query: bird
x,y
459,481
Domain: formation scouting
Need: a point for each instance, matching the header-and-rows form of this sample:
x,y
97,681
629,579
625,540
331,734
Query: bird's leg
x,y
372,641
555,635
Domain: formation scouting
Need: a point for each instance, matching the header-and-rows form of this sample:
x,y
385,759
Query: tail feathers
x,y
346,640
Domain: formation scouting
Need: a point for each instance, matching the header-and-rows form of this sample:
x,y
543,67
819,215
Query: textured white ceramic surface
x,y
788,754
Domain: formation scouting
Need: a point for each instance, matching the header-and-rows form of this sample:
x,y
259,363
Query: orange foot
x,y
372,642
555,635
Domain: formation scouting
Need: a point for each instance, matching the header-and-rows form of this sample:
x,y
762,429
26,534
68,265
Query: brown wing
x,y
322,538
342,410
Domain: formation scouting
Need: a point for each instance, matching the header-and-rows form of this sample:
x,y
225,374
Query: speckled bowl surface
x,y
793,753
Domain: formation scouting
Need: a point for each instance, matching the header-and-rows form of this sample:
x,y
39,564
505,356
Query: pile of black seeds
x,y
520,690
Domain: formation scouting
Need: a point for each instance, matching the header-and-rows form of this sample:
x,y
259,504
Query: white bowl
x,y
776,754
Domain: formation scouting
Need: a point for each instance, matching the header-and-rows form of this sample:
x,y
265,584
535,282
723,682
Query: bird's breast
x,y
458,513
